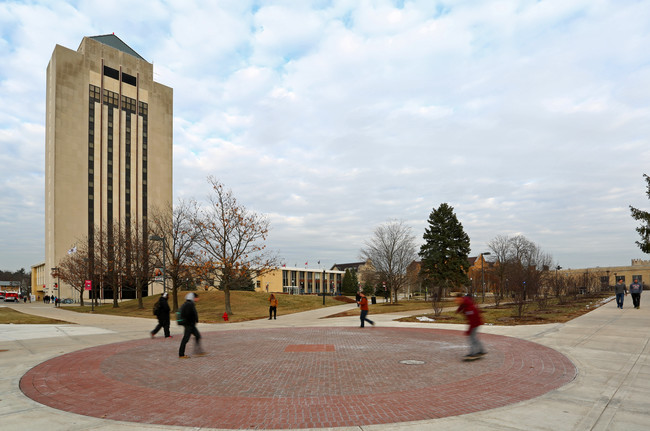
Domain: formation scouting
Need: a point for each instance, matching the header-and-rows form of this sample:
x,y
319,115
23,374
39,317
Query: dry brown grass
x,y
245,306
9,315
506,314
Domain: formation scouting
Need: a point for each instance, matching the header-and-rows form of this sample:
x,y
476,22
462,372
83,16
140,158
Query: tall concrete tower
x,y
108,149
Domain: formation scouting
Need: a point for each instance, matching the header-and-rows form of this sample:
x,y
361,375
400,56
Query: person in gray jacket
x,y
635,292
620,289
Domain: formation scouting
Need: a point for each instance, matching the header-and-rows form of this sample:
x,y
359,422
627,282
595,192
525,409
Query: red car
x,y
10,296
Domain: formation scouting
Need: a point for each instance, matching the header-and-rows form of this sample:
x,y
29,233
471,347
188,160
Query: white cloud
x,y
333,117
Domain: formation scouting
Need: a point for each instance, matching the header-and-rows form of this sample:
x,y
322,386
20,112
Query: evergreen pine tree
x,y
348,286
445,250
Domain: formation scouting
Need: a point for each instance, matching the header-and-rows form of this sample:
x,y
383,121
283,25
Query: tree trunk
x,y
226,295
138,293
175,285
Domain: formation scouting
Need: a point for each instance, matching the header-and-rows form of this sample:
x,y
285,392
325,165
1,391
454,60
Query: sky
x,y
333,117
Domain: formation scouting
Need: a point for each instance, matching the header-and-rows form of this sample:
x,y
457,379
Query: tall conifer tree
x,y
445,250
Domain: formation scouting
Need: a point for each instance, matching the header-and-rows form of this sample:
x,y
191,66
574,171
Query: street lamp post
x,y
483,272
55,273
162,238
323,286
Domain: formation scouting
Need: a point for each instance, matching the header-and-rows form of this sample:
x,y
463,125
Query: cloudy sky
x,y
332,117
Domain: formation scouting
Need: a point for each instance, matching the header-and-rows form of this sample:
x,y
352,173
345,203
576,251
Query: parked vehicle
x,y
11,297
67,301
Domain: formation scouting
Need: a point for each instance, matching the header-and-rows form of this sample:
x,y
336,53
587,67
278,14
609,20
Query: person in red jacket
x,y
473,315
363,304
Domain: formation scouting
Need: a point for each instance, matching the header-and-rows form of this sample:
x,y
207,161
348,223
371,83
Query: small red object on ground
x,y
225,316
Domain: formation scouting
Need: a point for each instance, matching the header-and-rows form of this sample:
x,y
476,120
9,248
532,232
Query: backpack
x,y
156,308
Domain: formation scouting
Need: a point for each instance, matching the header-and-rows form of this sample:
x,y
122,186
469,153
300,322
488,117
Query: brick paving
x,y
297,378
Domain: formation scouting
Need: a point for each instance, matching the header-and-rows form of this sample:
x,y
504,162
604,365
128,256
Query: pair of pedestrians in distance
x,y
188,317
635,292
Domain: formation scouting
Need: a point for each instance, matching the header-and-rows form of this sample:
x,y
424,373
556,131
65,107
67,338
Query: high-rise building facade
x,y
108,150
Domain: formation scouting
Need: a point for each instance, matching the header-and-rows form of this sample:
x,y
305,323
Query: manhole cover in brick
x,y
411,362
277,379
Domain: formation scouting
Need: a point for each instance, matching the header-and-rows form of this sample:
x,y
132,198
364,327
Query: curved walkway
x,y
608,346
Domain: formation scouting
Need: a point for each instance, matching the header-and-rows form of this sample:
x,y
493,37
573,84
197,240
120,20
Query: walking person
x,y
161,311
273,308
620,289
363,304
635,291
189,318
473,315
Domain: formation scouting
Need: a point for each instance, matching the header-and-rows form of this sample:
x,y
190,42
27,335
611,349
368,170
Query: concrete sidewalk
x,y
608,346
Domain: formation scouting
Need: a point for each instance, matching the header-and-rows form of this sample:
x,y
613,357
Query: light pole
x,y
162,238
55,273
483,272
323,286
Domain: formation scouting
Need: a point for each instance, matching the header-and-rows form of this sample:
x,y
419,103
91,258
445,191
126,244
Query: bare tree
x,y
177,226
522,268
231,239
499,246
391,249
135,259
73,268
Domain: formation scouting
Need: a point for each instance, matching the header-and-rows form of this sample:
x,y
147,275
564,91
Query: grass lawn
x,y
245,306
506,314
254,305
385,307
9,315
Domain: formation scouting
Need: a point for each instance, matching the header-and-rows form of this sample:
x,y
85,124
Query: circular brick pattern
x,y
297,378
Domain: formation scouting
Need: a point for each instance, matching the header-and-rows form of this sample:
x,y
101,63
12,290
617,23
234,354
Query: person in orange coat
x,y
273,309
473,315
363,304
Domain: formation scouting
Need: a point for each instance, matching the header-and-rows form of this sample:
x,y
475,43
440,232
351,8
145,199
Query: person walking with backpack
x,y
189,317
161,311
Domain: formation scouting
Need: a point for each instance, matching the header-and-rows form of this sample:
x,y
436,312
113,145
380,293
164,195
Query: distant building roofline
x,y
117,43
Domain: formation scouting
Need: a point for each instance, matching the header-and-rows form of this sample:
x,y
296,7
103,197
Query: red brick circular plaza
x,y
297,378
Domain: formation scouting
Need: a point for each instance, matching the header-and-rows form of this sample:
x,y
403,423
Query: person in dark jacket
x,y
473,315
162,313
189,319
620,290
